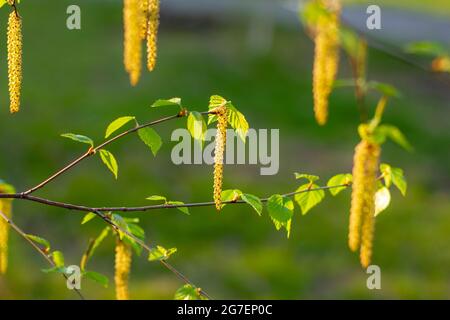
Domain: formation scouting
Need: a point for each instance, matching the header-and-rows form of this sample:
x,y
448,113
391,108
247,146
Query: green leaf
x,y
167,103
78,138
157,198
58,258
350,42
216,101
337,180
308,199
311,178
382,200
237,121
132,243
39,240
395,176
151,138
122,224
281,209
253,201
160,253
230,195
187,292
395,135
99,240
2,2
185,210
196,125
384,88
110,162
6,187
97,277
136,230
426,48
117,124
88,217
62,270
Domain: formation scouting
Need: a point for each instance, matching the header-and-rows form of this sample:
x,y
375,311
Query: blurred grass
x,y
74,82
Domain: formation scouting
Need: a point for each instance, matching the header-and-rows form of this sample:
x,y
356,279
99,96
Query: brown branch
x,y
92,151
46,257
84,208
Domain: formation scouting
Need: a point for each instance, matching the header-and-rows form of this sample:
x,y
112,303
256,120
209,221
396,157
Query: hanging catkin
x,y
123,265
14,60
326,57
144,7
152,34
132,16
5,208
221,137
362,210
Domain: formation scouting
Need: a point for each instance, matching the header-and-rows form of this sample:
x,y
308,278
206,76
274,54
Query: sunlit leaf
x,y
117,124
110,162
151,138
308,199
88,217
78,138
344,179
167,103
382,200
253,201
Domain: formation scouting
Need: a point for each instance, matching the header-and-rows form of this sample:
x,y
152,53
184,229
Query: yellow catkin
x,y
14,60
132,39
144,7
326,58
152,34
221,137
365,163
5,208
122,266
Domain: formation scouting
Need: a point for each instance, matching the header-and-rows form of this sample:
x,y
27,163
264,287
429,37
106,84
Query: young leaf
x,y
187,292
117,124
62,270
39,240
167,103
384,88
136,231
97,277
160,253
311,178
253,201
337,180
382,200
132,243
216,101
151,138
395,135
185,210
308,199
121,223
425,48
110,162
237,121
58,258
78,138
395,176
88,217
98,241
196,125
281,209
157,198
230,195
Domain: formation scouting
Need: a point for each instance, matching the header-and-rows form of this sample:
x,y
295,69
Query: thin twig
x,y
167,265
84,208
46,257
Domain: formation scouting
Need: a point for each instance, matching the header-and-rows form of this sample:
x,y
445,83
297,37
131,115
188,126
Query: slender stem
x,y
46,257
84,208
92,151
167,265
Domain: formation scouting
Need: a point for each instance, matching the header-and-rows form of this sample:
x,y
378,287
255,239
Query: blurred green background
x,y
74,82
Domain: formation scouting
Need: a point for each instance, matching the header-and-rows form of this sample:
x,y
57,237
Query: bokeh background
x,y
256,54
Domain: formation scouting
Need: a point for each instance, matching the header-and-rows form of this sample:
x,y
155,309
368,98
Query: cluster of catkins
x,y
141,21
362,212
14,44
326,56
122,272
221,137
